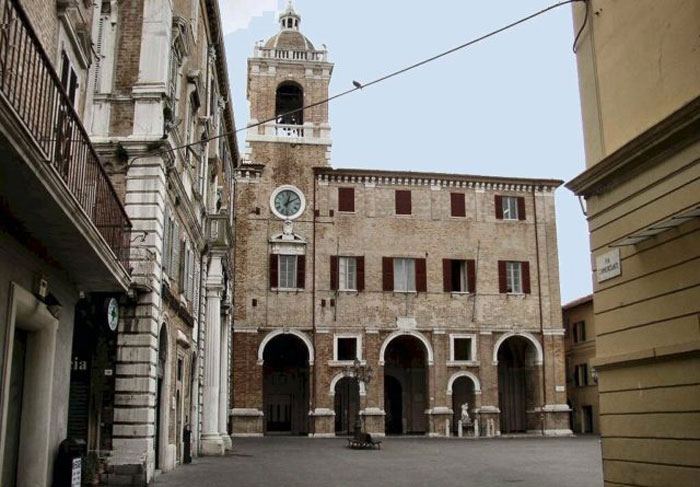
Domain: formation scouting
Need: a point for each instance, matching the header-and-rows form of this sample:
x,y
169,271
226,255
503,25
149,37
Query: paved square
x,y
420,462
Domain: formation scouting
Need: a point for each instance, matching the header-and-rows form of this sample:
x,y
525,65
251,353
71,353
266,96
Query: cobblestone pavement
x,y
424,462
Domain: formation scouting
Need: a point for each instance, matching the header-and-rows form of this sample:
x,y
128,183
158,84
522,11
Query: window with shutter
x,y
360,273
197,280
190,277
447,275
182,267
274,271
387,274
346,199
402,202
175,252
287,271
334,273
510,207
167,235
457,205
521,208
471,276
404,275
525,267
498,202
301,271
347,273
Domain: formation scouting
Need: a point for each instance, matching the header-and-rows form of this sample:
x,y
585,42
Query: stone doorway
x,y
518,385
286,385
347,405
405,386
462,392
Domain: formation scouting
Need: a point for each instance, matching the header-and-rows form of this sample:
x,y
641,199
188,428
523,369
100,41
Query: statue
x,y
466,420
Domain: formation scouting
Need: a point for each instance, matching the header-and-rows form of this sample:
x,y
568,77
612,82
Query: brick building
x,y
581,377
446,285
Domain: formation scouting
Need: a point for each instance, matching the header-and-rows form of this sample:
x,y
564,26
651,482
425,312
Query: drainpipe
x,y
539,298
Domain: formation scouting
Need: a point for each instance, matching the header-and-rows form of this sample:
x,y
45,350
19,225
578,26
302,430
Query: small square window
x,y
347,273
347,348
457,206
346,199
579,331
462,349
404,275
403,202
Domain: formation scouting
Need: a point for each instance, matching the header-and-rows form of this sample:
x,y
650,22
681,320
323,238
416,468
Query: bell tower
x,y
284,74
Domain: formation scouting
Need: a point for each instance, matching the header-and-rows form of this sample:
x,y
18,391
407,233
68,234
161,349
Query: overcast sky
x,y
506,107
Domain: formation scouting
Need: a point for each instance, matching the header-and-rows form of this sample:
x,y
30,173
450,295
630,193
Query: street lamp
x,y
364,374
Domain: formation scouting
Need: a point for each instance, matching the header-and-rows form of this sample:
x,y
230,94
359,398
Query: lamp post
x,y
362,373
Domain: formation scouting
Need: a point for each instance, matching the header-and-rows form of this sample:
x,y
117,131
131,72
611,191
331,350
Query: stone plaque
x,y
608,265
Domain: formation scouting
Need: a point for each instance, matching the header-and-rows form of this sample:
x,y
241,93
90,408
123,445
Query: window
x,y
346,348
462,348
459,275
514,277
579,331
402,202
69,78
287,271
404,275
510,207
581,375
346,199
457,207
347,273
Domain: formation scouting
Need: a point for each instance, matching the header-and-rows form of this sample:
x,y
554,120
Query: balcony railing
x,y
32,88
290,54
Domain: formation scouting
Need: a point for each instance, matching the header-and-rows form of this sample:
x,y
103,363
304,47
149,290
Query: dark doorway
x,y
518,388
347,405
14,408
393,406
286,385
462,393
587,426
161,401
290,97
405,360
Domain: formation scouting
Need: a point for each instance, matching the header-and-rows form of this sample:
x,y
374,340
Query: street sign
x,y
608,265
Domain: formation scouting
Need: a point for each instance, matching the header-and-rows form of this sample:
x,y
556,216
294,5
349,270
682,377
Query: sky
x,y
508,106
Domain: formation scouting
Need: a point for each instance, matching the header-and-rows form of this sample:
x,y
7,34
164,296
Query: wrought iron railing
x,y
32,88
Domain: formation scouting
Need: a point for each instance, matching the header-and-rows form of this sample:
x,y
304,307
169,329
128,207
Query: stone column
x,y
212,444
223,379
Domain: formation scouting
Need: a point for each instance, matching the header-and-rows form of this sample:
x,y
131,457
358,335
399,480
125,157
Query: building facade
x,y
127,232
639,81
445,286
64,244
581,381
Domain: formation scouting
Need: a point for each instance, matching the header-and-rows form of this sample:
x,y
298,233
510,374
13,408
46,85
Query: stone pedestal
x,y
489,421
373,421
246,422
323,423
435,419
556,420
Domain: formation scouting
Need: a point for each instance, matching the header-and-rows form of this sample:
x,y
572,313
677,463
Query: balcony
x,y
291,55
51,180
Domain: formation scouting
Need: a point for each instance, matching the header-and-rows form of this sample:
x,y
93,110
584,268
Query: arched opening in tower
x,y
518,385
405,386
286,385
290,97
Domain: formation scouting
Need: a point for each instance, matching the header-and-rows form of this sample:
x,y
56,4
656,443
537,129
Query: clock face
x,y
112,314
287,202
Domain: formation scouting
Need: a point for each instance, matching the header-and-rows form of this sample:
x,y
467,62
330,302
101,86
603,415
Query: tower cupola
x,y
289,19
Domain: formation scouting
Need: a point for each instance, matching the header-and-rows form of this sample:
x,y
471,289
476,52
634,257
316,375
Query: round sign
x,y
112,314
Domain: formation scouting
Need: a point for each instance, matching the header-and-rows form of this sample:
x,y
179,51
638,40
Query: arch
x,y
524,334
415,334
289,96
304,338
163,385
341,375
464,373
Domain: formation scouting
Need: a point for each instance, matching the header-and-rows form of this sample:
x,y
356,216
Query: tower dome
x,y
289,37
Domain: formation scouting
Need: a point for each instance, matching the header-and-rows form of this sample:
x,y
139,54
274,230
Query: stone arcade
x,y
447,285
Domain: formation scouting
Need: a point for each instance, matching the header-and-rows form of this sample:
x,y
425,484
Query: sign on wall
x,y
608,265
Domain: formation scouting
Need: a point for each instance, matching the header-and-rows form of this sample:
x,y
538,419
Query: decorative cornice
x,y
434,180
655,145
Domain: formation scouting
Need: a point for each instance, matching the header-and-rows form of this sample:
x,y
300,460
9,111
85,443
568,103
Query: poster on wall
x,y
76,473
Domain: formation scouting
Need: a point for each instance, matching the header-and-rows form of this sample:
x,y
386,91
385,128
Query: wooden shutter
x,y
197,281
502,284
447,275
499,207
421,276
182,269
346,199
360,273
403,201
190,277
175,251
387,274
525,268
274,271
167,235
334,272
471,276
457,206
301,271
521,208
